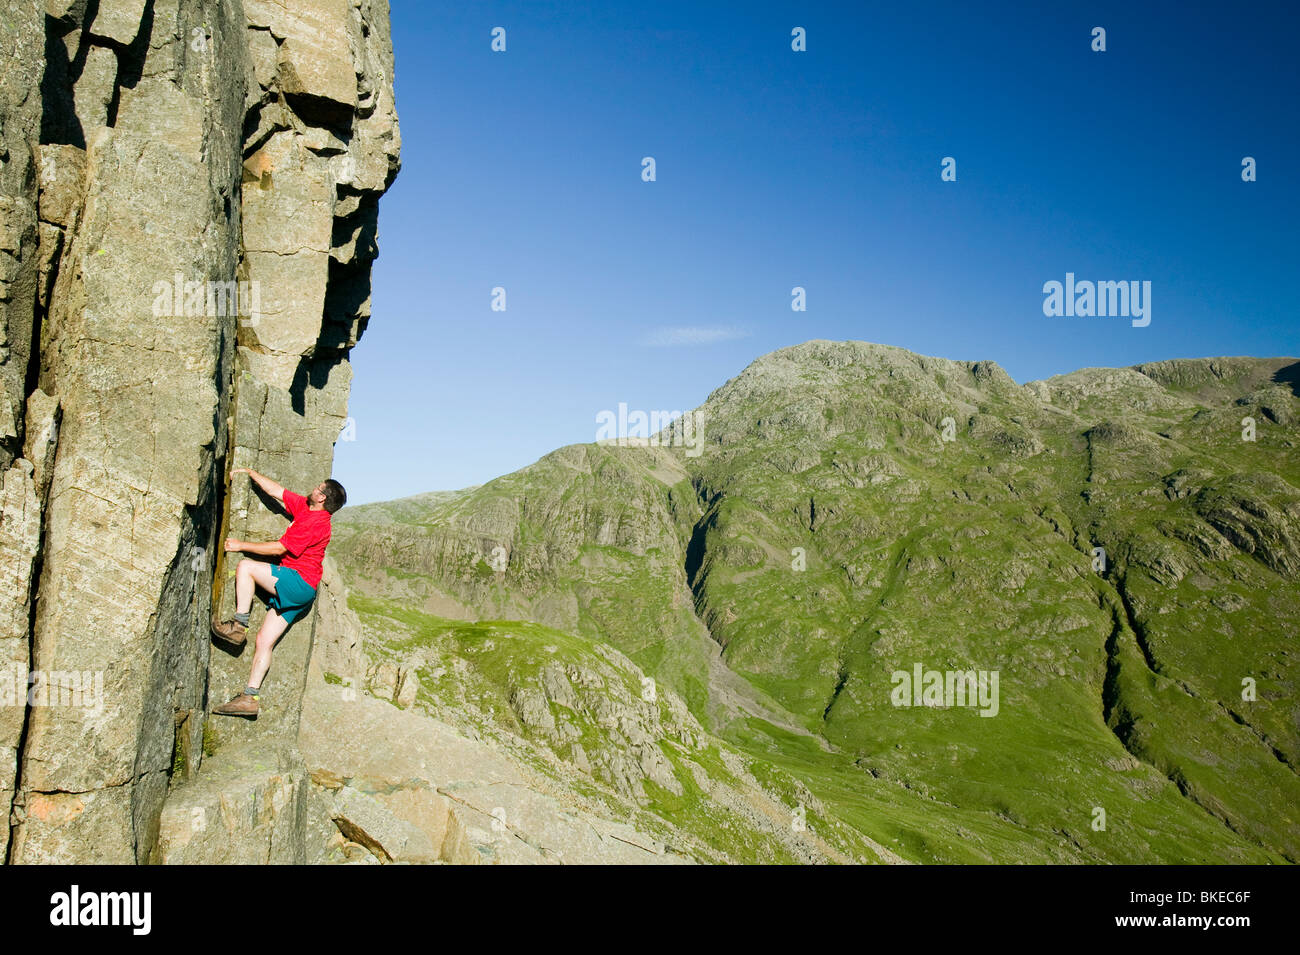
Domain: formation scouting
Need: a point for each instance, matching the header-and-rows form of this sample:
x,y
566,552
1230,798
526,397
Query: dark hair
x,y
335,496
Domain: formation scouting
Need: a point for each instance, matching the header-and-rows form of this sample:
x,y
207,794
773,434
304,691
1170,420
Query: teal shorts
x,y
293,595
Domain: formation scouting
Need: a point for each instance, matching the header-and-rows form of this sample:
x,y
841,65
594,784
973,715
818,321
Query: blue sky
x,y
818,169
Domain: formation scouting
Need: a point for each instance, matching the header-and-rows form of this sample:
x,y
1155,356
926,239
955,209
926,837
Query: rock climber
x,y
291,583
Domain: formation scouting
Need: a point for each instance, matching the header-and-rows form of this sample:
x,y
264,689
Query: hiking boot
x,y
232,633
242,705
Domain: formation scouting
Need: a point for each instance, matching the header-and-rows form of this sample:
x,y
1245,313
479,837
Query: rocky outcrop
x,y
393,782
371,783
188,208
408,788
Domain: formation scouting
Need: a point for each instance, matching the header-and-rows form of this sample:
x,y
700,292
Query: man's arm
x,y
264,482
269,549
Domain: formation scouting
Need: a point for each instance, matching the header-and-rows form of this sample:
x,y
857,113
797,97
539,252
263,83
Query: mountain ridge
x,y
858,509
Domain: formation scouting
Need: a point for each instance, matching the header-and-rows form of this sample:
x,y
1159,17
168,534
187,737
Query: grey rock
x,y
365,820
118,20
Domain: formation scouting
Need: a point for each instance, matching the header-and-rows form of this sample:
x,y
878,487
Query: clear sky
x,y
822,169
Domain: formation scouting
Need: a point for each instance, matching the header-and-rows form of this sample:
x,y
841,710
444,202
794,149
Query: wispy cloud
x,y
670,336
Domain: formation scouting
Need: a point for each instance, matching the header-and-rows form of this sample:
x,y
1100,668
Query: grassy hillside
x,y
585,717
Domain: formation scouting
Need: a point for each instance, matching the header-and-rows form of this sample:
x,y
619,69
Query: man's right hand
x,y
262,481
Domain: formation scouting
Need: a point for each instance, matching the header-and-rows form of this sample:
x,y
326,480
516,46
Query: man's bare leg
x,y
273,628
249,574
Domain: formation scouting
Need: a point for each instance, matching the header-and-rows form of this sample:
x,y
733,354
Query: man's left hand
x,y
233,543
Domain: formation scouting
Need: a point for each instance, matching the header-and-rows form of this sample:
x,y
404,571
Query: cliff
x,y
188,204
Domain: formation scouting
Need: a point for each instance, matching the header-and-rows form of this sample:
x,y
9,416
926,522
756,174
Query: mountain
x,y
1118,548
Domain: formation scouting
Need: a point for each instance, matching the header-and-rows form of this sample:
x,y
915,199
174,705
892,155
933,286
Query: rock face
x,y
188,207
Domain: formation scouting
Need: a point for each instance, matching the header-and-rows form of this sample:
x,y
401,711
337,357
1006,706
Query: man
x,y
291,583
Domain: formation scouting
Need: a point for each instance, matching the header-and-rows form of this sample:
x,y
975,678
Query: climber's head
x,y
329,495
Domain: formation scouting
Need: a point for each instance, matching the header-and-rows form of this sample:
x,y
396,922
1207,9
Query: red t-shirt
x,y
306,539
